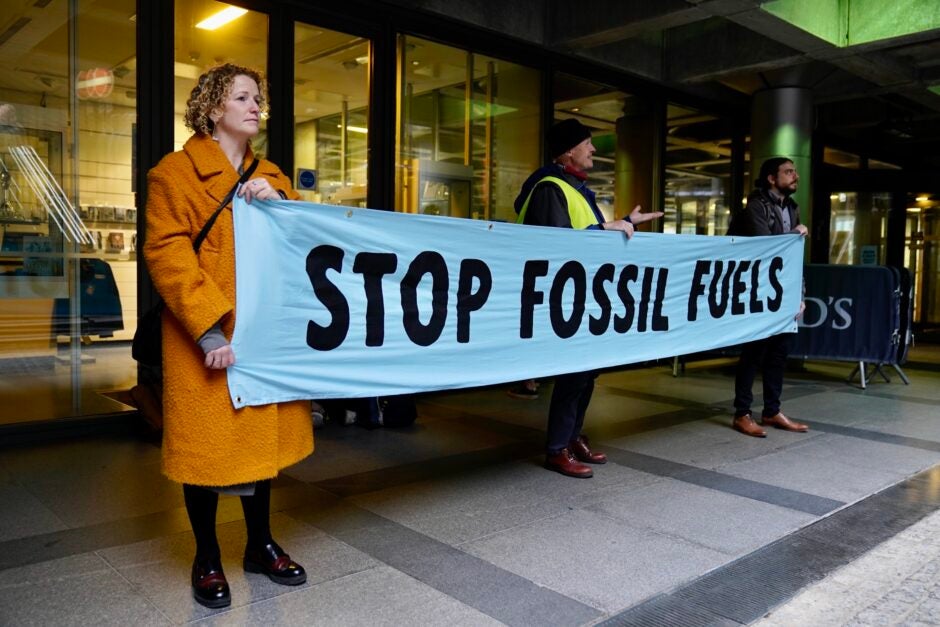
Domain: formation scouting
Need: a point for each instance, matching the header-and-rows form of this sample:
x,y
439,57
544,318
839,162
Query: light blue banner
x,y
337,302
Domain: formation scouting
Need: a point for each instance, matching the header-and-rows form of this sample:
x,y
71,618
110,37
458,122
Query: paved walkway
x,y
896,583
454,521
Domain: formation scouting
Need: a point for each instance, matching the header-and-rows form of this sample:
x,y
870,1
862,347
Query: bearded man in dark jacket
x,y
770,210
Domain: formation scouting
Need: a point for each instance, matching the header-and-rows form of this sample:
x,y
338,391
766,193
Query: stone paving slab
x,y
29,517
701,515
601,561
159,569
473,505
709,443
826,477
378,597
77,590
896,583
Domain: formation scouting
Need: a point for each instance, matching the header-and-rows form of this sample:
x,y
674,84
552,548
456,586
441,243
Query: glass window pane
x,y
67,213
698,172
858,227
469,132
331,115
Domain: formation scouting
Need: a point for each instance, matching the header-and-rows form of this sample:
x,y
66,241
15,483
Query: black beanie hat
x,y
566,135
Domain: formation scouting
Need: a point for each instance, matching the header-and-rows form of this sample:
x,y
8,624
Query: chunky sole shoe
x,y
271,560
210,588
213,603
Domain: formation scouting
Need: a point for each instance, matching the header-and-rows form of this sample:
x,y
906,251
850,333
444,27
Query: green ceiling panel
x,y
872,20
852,22
823,18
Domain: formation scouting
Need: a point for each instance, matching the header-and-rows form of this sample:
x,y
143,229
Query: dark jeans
x,y
770,355
570,398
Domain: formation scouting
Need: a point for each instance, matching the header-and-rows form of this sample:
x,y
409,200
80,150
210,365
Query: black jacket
x,y
760,215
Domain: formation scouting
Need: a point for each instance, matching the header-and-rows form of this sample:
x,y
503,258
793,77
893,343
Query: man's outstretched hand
x,y
638,217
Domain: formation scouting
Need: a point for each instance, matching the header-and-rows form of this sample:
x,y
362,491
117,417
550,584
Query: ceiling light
x,y
221,18
922,198
354,129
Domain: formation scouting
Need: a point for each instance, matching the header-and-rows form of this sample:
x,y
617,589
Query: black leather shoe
x,y
272,561
210,588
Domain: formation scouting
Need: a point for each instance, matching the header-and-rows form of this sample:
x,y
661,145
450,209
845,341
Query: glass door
x,y
922,256
469,131
331,115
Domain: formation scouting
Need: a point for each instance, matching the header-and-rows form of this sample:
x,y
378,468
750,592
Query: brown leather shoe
x,y
746,425
782,422
581,450
565,463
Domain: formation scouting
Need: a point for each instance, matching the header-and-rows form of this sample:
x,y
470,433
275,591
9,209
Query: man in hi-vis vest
x,y
557,195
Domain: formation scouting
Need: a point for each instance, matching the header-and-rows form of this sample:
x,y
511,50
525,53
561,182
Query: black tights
x,y
202,503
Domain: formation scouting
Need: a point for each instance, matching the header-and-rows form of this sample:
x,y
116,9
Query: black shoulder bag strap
x,y
228,198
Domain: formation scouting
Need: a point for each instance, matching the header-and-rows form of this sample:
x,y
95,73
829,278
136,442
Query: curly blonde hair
x,y
211,91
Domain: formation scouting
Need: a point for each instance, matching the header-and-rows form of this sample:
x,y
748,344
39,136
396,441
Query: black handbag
x,y
147,347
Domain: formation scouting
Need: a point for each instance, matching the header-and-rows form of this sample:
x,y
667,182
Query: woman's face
x,y
240,114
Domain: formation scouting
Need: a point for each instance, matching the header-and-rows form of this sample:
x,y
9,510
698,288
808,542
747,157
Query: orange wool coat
x,y
205,440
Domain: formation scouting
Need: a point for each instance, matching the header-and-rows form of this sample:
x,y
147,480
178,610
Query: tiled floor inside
x,y
453,521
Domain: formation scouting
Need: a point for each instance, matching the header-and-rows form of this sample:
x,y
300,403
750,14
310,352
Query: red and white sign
x,y
94,83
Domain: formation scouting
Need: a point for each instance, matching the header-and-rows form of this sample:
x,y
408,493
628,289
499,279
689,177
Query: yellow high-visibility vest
x,y
579,209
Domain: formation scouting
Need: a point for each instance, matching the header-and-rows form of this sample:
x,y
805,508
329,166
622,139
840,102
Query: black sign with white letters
x,y
852,314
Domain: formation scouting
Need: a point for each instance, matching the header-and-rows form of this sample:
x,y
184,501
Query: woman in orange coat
x,y
209,446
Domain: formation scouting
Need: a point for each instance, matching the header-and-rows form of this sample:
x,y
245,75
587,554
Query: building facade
x,y
440,108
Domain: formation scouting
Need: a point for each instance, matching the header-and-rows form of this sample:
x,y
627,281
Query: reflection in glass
x,y
922,255
698,172
469,131
67,114
331,115
858,227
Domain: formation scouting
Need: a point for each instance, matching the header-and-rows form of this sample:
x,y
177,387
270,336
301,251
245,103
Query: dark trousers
x,y
201,505
570,398
770,355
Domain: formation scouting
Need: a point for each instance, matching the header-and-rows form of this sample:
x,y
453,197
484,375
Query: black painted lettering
x,y
326,338
660,322
530,297
717,307
467,300
774,302
756,305
427,262
738,287
645,300
702,267
372,267
574,272
605,274
623,323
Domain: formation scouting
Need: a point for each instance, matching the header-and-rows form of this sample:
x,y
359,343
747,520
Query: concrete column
x,y
634,160
782,126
